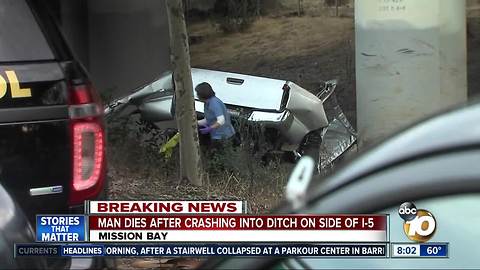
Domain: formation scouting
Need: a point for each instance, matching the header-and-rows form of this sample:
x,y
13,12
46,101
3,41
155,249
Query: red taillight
x,y
81,94
88,145
87,155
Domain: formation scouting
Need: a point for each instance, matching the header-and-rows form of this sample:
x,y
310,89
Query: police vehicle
x,y
52,136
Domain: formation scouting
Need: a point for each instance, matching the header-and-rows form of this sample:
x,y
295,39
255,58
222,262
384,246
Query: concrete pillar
x,y
410,62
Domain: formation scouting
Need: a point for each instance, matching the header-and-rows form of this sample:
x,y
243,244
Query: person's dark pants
x,y
207,142
219,147
217,153
204,139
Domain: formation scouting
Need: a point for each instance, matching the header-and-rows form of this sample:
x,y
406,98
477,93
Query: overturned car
x,y
292,120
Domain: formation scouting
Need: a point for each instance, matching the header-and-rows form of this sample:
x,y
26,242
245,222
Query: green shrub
x,y
236,15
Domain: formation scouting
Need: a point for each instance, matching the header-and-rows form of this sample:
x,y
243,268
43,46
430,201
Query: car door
x,y
446,183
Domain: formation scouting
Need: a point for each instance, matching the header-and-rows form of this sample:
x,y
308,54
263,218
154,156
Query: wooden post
x,y
300,7
336,8
257,8
190,164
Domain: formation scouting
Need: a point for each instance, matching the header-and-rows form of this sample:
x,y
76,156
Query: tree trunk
x,y
186,7
190,164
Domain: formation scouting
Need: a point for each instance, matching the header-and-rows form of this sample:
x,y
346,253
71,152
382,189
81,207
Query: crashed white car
x,y
291,119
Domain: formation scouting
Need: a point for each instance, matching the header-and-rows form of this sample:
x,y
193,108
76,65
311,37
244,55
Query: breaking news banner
x,y
238,228
201,250
61,228
165,207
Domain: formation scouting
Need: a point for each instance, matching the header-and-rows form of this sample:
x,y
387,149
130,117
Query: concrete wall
x,y
122,43
128,42
74,21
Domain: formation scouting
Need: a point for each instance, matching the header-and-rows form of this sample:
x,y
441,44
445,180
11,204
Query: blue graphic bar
x,y
60,228
434,250
201,250
419,250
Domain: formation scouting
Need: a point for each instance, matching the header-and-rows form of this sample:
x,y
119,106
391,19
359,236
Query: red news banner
x,y
229,227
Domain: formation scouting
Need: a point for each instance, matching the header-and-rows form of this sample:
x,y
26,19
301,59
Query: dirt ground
x,y
305,50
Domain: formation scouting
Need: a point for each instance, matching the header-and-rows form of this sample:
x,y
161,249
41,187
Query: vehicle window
x,y
456,223
22,38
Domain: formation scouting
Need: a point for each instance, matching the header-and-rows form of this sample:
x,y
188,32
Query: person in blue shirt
x,y
217,121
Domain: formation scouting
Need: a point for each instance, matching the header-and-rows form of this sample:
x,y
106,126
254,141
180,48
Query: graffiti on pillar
x,y
392,5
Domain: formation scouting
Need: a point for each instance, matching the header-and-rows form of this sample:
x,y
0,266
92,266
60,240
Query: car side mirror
x,y
299,180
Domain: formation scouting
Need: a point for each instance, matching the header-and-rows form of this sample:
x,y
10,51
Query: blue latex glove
x,y
205,130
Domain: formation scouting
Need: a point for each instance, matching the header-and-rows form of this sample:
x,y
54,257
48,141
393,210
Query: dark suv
x,y
52,137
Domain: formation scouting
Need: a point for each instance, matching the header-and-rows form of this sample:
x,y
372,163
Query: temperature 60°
x,y
433,250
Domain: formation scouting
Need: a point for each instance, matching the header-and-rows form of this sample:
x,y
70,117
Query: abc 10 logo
x,y
419,224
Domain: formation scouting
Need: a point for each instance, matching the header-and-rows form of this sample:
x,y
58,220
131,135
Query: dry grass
x,y
305,50
267,40
139,172
262,187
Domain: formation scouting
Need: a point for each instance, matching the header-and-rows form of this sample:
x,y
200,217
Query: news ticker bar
x,y
327,250
333,250
201,250
409,250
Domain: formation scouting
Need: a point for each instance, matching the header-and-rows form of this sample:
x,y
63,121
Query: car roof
x,y
242,90
459,128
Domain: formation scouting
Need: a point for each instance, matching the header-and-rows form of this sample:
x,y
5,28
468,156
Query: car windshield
x,y
22,38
